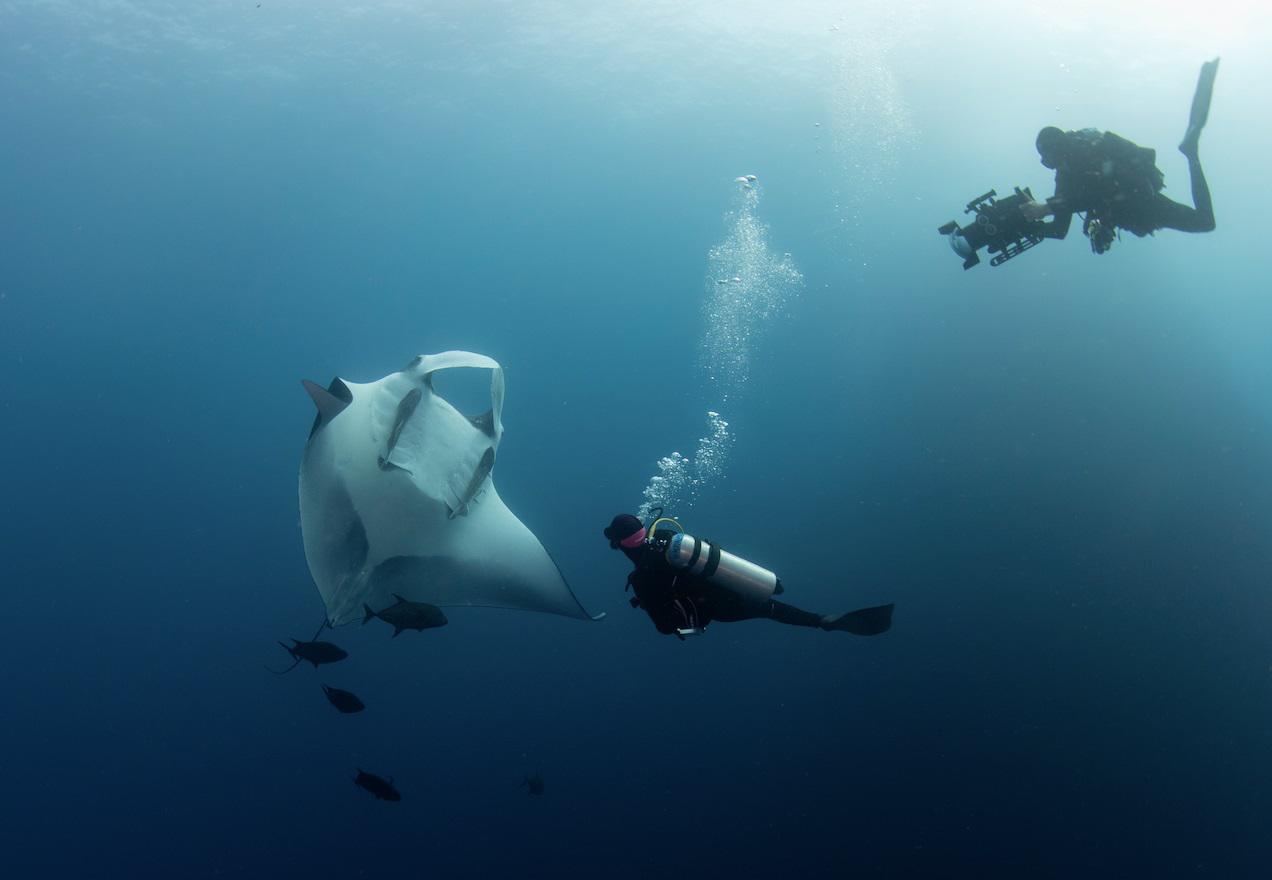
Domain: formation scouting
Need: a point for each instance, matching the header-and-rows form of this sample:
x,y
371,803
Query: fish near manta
x,y
533,784
405,614
345,702
380,787
314,651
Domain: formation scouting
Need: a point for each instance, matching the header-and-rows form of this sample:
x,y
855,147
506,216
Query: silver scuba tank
x,y
721,568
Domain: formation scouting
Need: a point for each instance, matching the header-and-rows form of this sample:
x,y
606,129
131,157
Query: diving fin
x,y
863,622
1200,111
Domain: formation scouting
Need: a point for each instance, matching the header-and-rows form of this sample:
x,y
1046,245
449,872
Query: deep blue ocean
x,y
1059,469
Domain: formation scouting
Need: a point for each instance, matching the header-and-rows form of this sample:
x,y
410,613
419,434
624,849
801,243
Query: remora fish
x,y
315,652
344,701
405,407
405,614
382,788
484,467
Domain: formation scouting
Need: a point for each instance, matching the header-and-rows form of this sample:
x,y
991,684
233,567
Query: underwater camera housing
x,y
999,226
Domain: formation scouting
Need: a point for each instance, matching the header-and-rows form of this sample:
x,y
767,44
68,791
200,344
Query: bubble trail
x,y
747,285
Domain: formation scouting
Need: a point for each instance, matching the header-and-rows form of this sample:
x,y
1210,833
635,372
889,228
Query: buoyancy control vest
x,y
705,561
1112,179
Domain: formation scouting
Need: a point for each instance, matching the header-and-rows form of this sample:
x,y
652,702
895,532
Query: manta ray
x,y
397,496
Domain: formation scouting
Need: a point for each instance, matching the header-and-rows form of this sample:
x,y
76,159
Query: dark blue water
x,y
1059,469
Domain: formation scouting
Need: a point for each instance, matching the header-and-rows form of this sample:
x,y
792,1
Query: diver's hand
x,y
1035,210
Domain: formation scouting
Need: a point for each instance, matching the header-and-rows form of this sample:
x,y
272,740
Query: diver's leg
x,y
865,622
1204,210
1172,215
728,607
783,613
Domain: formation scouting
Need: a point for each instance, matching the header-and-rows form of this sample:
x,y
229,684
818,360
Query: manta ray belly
x,y
431,526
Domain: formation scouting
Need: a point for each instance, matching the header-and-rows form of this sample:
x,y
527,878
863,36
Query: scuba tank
x,y
709,563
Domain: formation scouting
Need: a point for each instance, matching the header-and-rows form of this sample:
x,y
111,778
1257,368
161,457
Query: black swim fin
x,y
1200,111
864,622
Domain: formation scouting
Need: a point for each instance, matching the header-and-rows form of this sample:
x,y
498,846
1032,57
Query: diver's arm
x,y
1062,217
1032,210
656,595
1058,226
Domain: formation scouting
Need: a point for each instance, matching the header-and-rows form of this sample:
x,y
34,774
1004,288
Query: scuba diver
x,y
1116,183
684,583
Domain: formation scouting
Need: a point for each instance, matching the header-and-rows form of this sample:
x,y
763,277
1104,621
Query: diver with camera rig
x,y
685,583
1114,183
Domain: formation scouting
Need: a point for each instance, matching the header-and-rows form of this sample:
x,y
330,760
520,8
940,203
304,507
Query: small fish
x,y
405,407
382,788
475,483
533,784
315,652
405,614
344,701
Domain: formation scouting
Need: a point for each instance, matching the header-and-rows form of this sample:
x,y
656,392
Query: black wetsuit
x,y
1115,182
675,601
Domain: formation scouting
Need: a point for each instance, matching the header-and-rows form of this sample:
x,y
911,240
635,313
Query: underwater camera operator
x,y
1113,183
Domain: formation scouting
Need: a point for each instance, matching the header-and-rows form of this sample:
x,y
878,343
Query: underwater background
x,y
1060,470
